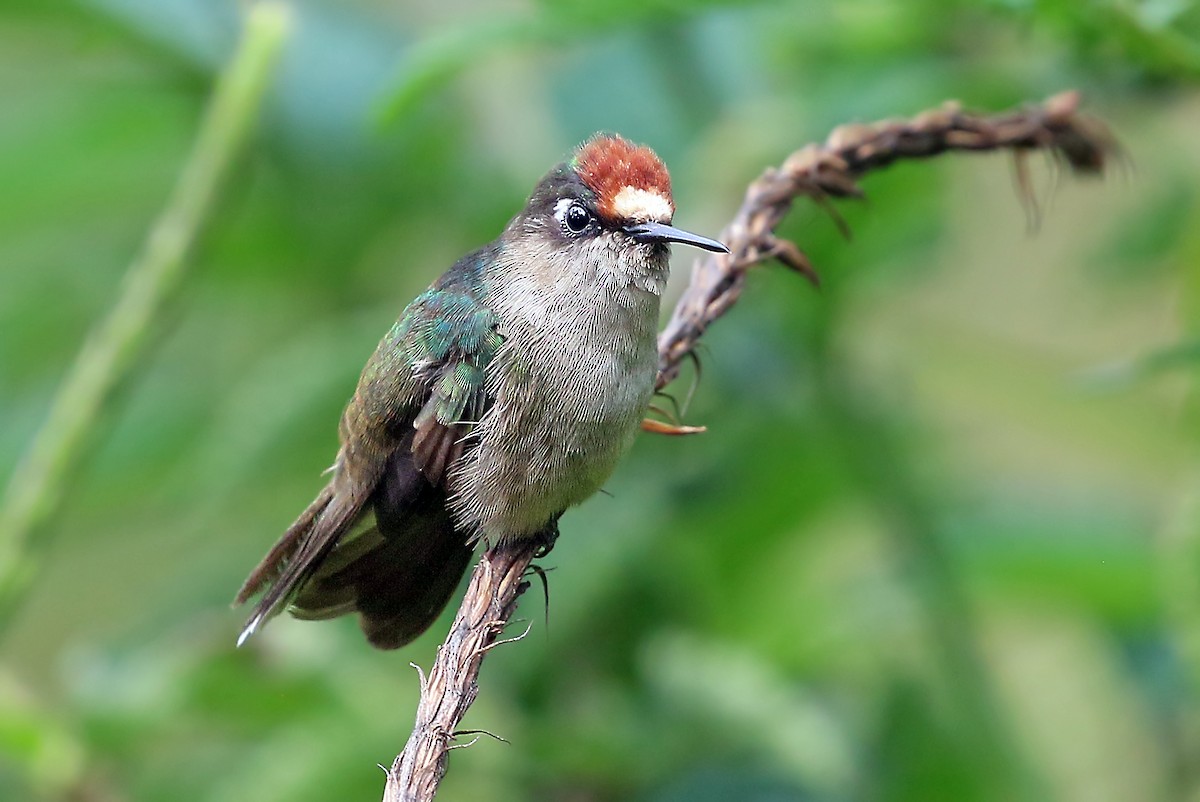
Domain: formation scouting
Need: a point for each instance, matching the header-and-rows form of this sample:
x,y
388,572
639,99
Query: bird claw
x,y
547,538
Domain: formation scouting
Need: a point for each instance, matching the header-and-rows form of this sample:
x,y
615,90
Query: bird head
x,y
612,200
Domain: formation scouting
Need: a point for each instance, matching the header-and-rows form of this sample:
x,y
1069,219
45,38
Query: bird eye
x,y
577,218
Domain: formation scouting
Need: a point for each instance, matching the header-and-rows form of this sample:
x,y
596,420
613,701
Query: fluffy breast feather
x,y
571,383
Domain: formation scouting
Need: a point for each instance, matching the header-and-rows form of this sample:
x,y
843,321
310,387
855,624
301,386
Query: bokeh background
x,y
939,542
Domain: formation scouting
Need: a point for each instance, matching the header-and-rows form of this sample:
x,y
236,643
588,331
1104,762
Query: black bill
x,y
659,232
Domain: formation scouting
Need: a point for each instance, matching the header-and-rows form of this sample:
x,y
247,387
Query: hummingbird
x,y
504,394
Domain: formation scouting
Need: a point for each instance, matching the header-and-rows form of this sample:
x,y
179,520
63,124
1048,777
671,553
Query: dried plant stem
x,y
832,170
452,684
817,171
113,347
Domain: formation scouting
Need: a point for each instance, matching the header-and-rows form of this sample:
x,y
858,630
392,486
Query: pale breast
x,y
571,384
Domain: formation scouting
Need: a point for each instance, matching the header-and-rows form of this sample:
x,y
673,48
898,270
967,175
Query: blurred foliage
x,y
940,541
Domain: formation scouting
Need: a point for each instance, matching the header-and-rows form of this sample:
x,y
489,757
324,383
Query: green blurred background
x,y
939,543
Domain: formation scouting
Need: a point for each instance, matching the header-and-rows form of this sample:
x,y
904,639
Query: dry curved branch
x,y
821,172
832,170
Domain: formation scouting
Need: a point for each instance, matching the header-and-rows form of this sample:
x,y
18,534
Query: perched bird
x,y
503,395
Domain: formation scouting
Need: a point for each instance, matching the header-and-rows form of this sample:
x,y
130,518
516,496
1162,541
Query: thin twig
x,y
113,347
832,170
820,172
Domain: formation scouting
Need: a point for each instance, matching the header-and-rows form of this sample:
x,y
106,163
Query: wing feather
x,y
378,538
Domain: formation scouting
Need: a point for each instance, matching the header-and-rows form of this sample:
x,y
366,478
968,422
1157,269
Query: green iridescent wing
x,y
378,539
450,340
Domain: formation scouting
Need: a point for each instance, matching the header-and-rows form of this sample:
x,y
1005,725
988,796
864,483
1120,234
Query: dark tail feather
x,y
390,619
400,576
398,588
272,565
293,559
397,571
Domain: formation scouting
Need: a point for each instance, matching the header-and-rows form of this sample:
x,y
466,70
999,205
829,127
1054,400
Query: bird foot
x,y
546,540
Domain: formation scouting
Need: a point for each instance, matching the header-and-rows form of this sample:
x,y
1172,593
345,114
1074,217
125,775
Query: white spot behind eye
x,y
642,205
560,209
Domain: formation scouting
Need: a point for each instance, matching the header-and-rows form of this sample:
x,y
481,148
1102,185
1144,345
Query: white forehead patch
x,y
642,205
